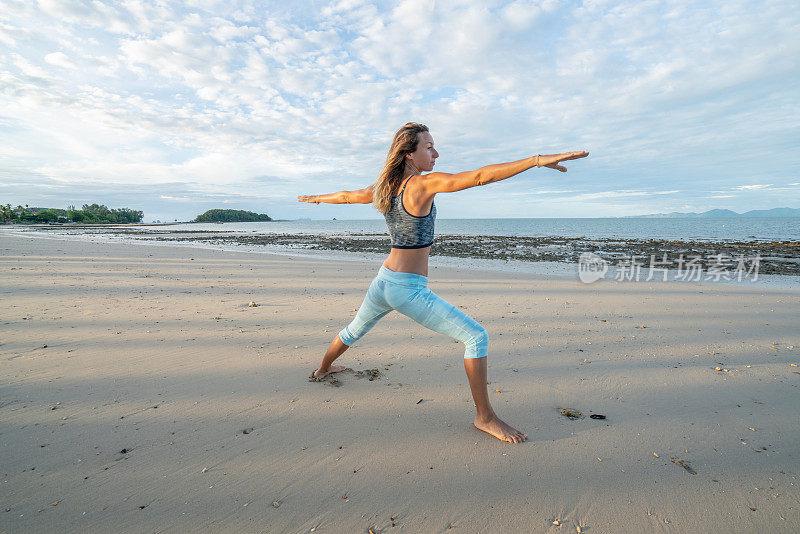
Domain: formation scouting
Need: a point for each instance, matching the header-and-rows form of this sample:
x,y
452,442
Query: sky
x,y
174,109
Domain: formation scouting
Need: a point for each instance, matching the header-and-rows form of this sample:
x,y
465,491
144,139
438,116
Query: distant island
x,y
232,216
717,214
88,214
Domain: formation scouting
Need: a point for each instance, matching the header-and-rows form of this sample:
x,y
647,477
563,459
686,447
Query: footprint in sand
x,y
371,374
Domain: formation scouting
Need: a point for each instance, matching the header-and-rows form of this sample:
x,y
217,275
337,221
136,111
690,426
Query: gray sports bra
x,y
406,230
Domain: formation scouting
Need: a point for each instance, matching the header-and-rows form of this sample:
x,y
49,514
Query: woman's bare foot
x,y
319,375
499,429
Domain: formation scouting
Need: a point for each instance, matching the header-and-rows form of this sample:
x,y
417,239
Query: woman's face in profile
x,y
424,157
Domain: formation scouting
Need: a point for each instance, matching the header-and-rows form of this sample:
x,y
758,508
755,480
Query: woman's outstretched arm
x,y
442,182
362,196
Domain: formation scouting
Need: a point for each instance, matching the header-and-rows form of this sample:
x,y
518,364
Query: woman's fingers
x,y
573,155
564,157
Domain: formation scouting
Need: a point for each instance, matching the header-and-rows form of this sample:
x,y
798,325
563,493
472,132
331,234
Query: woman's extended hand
x,y
308,198
553,160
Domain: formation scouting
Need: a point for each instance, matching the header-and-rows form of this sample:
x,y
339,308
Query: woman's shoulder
x,y
421,183
418,196
419,180
414,184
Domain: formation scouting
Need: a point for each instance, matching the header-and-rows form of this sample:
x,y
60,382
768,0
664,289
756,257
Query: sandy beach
x,y
141,393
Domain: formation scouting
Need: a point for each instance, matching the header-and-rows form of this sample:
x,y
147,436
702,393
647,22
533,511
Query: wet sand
x,y
141,392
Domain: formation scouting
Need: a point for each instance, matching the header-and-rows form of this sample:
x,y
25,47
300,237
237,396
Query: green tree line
x,y
232,216
89,213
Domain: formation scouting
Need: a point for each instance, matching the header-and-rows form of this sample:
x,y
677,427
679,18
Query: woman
x,y
405,197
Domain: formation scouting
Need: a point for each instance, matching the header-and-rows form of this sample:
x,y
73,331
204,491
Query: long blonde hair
x,y
404,142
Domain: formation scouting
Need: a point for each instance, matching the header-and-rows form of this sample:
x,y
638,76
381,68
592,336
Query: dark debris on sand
x,y
685,464
571,413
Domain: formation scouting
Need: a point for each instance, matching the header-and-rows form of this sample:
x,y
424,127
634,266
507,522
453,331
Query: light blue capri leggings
x,y
408,293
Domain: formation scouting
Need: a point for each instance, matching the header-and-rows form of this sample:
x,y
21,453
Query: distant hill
x,y
231,216
716,214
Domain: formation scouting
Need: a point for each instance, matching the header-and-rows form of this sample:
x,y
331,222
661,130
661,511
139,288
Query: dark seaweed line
x,y
779,257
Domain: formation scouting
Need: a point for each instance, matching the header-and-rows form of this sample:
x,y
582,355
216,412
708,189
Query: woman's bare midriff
x,y
408,260
411,260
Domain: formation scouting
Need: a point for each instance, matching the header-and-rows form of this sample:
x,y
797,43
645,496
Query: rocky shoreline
x,y
774,257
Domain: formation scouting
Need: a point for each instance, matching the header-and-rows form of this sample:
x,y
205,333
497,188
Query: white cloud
x,y
541,192
753,187
28,69
59,59
10,34
72,10
615,194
